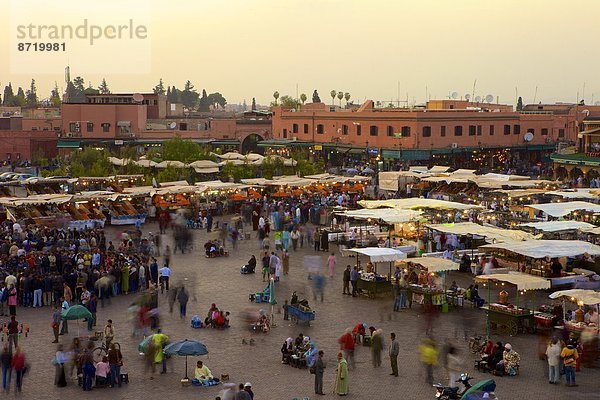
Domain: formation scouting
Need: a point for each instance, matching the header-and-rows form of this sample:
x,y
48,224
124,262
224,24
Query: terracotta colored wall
x,y
26,143
333,127
103,113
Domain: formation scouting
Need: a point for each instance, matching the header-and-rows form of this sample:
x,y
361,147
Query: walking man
x,y
347,280
182,297
13,333
55,323
394,350
319,370
354,279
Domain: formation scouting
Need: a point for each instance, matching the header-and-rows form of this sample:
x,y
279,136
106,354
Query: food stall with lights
x,y
503,316
557,229
535,257
582,297
431,285
38,209
371,282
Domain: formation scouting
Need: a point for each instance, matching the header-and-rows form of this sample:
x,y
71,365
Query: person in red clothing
x,y
347,346
18,365
359,332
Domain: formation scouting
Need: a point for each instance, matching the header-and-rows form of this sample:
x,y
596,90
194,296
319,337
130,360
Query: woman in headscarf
x,y
511,360
341,376
125,278
311,355
287,350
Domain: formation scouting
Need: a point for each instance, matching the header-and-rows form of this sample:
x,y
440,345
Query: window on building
x,y
507,129
472,130
320,129
544,131
458,130
426,131
373,130
105,127
183,126
90,127
443,131
517,130
492,128
295,128
34,128
561,133
285,133
344,129
405,131
479,130
358,130
305,128
390,130
73,126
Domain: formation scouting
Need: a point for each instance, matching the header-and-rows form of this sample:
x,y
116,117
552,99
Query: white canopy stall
x,y
490,233
559,226
370,282
561,209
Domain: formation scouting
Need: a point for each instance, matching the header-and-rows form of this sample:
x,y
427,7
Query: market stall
x,y
431,276
503,316
370,281
576,321
535,257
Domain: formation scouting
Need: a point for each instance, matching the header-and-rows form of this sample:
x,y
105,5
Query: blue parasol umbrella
x,y
186,348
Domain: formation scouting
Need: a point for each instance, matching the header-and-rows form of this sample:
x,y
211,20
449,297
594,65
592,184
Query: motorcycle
x,y
453,393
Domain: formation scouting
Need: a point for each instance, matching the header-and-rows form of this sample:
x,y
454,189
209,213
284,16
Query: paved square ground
x,y
219,281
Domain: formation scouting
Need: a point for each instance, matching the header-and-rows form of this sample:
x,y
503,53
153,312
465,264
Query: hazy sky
x,y
246,49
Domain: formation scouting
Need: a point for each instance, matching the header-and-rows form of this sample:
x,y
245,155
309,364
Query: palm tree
x,y
276,96
340,96
303,98
347,97
333,93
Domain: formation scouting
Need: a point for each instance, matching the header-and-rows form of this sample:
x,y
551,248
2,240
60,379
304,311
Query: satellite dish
x,y
528,137
477,99
173,125
454,95
467,96
489,98
137,97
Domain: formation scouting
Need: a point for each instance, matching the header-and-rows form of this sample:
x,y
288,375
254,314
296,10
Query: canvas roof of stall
x,y
565,208
489,232
546,248
218,185
588,297
380,254
174,183
206,170
521,281
587,193
495,184
558,226
175,189
93,194
36,199
417,203
203,164
388,215
517,193
255,181
138,190
434,264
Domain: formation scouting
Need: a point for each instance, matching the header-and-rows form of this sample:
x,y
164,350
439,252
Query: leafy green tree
x,y
520,104
288,101
104,87
271,166
20,99
160,88
276,96
178,149
189,96
175,98
340,96
55,96
8,95
333,93
31,95
169,174
90,90
303,98
237,172
216,100
203,102
347,97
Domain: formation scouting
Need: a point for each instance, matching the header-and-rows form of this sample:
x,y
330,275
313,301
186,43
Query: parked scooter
x,y
453,393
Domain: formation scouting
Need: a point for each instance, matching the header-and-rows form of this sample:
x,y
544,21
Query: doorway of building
x,y
250,144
